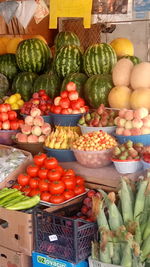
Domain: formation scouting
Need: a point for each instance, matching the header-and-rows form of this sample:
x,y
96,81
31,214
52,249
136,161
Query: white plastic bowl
x,y
88,129
146,165
127,166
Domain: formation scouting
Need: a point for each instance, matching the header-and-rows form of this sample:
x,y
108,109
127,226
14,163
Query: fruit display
x,y
61,138
8,65
33,55
95,58
34,129
133,122
8,118
101,117
39,100
69,101
122,47
68,59
15,101
128,151
66,38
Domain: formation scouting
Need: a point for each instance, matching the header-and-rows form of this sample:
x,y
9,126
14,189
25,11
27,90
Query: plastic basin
x,y
144,139
6,136
87,129
62,155
145,164
127,166
65,119
33,148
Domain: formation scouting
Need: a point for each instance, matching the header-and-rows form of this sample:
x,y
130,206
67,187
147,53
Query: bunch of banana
x,y
72,128
61,138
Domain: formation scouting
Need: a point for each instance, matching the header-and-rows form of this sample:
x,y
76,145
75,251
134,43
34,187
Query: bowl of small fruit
x,y
127,157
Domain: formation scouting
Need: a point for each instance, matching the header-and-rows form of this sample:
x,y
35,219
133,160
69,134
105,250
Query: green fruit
x,y
33,55
23,84
8,65
135,60
78,78
49,82
99,59
68,60
97,88
4,85
66,38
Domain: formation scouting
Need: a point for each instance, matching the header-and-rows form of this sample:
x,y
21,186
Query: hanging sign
x,y
41,11
26,11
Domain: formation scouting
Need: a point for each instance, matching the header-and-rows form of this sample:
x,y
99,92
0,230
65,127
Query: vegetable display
x,y
8,118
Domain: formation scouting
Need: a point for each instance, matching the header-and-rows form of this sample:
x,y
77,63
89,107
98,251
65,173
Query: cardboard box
x,y
42,260
9,181
10,258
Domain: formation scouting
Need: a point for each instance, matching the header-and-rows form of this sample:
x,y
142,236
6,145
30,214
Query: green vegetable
x,y
7,192
145,248
116,259
140,199
115,218
3,190
127,256
16,200
25,204
10,197
147,229
105,254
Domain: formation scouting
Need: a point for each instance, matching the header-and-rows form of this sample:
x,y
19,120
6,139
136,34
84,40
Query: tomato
x,y
41,92
73,95
64,94
3,108
34,192
71,86
57,100
12,115
68,194
34,183
65,111
56,187
0,125
42,173
61,170
43,185
45,196
75,104
20,122
57,198
14,125
56,109
17,186
23,179
79,189
79,180
45,97
69,172
6,125
43,107
50,163
54,175
64,102
39,159
69,182
3,116
26,190
91,193
32,170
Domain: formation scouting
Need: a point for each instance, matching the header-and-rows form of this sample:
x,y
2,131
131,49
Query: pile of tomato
x,y
8,118
49,180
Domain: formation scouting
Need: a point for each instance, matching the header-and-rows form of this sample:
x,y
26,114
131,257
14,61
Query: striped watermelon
x,y
66,38
48,82
135,60
68,60
99,59
33,55
97,88
78,78
4,85
23,84
8,65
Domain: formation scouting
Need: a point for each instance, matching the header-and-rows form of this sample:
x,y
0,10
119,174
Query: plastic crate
x,y
95,263
62,237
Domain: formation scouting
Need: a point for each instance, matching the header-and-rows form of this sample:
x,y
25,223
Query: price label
x,y
53,238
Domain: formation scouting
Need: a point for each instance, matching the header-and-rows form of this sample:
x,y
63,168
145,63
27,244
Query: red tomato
x,y
79,103
34,192
56,109
64,102
61,170
39,159
42,173
0,125
23,179
6,125
79,180
56,187
75,104
71,86
43,185
41,92
34,183
65,111
3,116
20,122
91,193
32,170
79,189
68,194
45,97
12,115
26,190
73,95
54,175
17,186
69,182
57,198
45,196
50,163
14,125
64,94
69,172
43,107
57,100
3,108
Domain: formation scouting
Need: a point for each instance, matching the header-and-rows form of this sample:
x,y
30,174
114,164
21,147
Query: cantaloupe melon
x,y
122,71
140,75
119,97
140,98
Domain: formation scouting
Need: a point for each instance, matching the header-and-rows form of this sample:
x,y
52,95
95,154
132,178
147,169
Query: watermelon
x,y
8,65
135,60
66,38
99,59
23,84
4,85
33,55
97,88
78,78
68,60
48,82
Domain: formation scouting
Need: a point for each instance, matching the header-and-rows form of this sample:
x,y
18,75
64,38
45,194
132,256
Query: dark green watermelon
x,y
66,38
135,60
78,78
4,85
97,88
23,84
8,65
48,82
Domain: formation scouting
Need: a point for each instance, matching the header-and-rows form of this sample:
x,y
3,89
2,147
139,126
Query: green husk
x,y
145,249
140,199
95,250
115,218
116,259
147,229
105,254
127,256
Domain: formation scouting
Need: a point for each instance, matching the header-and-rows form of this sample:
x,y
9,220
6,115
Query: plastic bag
x,y
8,10
26,11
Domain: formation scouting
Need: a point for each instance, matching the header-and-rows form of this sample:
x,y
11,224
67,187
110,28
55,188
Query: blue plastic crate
x,y
144,139
42,260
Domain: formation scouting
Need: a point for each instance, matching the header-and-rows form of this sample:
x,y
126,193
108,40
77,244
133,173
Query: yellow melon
x,y
140,76
122,47
140,98
119,97
122,71
13,44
